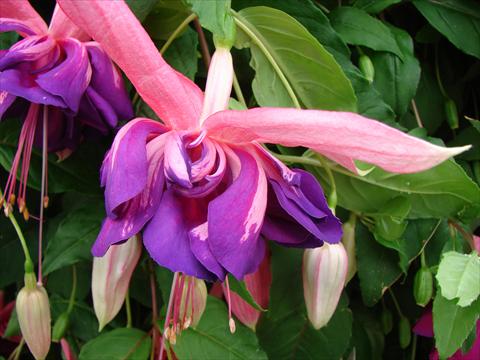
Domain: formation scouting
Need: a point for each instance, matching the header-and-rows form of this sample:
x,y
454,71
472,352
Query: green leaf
x,y
182,54
291,67
211,339
141,8
459,277
452,324
241,289
454,19
368,336
374,6
13,326
79,172
357,27
7,39
442,191
377,266
165,18
72,233
216,17
123,343
397,80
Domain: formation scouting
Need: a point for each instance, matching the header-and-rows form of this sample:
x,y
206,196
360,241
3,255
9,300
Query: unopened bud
x,y
451,113
348,241
60,327
33,311
258,284
193,302
324,274
111,276
404,332
387,321
367,68
423,286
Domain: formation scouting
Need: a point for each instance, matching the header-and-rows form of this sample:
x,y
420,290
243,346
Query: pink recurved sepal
x,y
23,11
258,284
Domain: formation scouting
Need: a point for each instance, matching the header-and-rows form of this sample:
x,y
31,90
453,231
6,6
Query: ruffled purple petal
x,y
107,82
177,161
235,218
31,49
124,170
22,84
70,78
136,212
201,249
7,24
306,204
6,99
166,235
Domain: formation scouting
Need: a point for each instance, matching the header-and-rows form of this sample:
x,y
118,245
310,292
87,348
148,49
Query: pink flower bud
x,y
111,276
33,311
258,284
324,274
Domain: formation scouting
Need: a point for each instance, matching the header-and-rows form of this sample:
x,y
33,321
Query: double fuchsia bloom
x,y
68,80
202,189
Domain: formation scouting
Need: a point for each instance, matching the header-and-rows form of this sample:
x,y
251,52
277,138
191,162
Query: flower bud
x,y
404,332
423,286
60,326
366,66
258,284
324,274
387,321
193,302
33,311
111,276
451,113
348,241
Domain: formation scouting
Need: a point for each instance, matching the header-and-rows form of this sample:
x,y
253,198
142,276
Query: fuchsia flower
x,y
201,187
69,81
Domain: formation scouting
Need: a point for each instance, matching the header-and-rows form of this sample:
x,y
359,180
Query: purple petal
x,y
136,212
299,200
235,218
200,248
424,326
6,99
29,49
124,169
166,236
22,84
177,161
7,24
70,78
108,83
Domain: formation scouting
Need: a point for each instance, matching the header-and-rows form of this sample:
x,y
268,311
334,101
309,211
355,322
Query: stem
x,y
128,308
176,32
18,230
42,191
71,301
333,191
238,91
203,43
437,73
395,302
153,290
169,309
18,350
241,23
417,114
414,347
298,159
